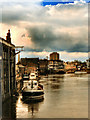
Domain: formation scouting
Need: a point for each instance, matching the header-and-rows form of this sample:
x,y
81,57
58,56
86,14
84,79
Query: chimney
x,y
18,57
8,38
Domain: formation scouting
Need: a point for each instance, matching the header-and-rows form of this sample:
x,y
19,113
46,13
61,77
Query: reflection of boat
x,y
34,107
33,90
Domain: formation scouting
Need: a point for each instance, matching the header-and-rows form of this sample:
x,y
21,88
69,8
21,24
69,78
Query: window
x,y
29,84
35,83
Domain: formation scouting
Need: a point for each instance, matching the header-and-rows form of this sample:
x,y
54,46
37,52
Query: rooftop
x,y
7,41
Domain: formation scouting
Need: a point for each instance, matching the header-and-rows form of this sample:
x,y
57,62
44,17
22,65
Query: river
x,y
66,96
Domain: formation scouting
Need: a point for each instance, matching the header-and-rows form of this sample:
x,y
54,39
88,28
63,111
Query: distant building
x,y
8,66
55,64
70,65
75,65
30,64
20,69
88,63
54,56
43,66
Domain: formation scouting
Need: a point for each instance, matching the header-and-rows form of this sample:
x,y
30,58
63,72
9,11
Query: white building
x,y
55,65
88,63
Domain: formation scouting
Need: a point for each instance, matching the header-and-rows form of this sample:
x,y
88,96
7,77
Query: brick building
x,y
30,64
43,66
55,65
70,65
54,56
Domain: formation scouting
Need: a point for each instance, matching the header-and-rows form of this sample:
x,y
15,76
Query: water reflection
x,y
33,108
29,108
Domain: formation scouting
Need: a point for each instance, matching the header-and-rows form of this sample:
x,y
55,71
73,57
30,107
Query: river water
x,y
66,96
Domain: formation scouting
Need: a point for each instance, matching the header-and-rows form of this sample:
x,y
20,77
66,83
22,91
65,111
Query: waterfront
x,y
66,96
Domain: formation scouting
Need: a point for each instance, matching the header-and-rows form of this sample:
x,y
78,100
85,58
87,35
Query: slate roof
x,y
29,61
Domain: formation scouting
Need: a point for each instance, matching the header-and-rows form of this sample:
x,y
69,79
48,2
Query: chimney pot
x,y
8,38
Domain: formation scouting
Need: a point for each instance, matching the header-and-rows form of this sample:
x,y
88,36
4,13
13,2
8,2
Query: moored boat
x,y
80,72
33,90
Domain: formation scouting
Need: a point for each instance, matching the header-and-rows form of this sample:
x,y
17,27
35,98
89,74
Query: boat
x,y
33,91
25,78
80,72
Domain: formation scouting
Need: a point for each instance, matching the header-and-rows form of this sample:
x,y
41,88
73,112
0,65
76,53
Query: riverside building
x,y
7,66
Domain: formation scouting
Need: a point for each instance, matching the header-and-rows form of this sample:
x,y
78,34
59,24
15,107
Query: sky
x,y
45,26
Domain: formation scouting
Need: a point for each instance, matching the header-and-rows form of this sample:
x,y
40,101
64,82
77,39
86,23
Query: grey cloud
x,y
12,15
42,36
80,47
46,38
27,49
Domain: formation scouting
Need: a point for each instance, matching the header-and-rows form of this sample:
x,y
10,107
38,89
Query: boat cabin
x,y
32,76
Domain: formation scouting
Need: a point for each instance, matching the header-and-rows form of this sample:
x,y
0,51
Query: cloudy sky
x,y
46,26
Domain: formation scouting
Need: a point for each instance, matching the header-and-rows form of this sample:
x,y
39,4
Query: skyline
x,y
44,29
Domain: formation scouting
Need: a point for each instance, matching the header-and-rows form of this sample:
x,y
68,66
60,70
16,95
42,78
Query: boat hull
x,y
32,95
80,72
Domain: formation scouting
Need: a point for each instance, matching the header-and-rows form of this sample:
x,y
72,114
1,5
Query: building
x,y
55,65
8,66
54,56
19,68
75,66
43,66
70,67
88,63
29,64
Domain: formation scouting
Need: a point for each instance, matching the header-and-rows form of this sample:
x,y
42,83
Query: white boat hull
x,y
80,72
